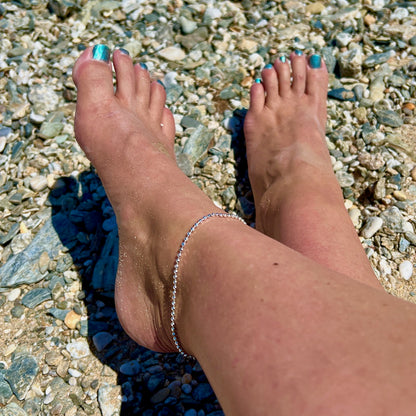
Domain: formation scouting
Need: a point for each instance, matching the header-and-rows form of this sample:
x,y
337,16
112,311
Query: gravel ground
x,y
62,350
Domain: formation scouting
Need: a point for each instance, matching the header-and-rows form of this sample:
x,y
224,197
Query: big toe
x,y
93,77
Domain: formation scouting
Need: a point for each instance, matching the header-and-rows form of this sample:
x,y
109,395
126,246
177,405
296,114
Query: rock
x,y
202,392
198,36
185,163
155,381
350,63
21,374
188,121
343,39
341,94
372,225
44,98
38,183
172,53
378,58
344,179
187,26
23,268
403,245
72,319
53,358
131,368
361,114
12,409
248,45
186,388
35,297
5,391
49,130
371,161
58,313
101,340
315,8
109,399
160,396
389,118
406,269
78,349
377,88
5,238
394,220
197,143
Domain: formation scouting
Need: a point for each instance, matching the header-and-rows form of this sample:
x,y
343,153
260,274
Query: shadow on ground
x,y
150,382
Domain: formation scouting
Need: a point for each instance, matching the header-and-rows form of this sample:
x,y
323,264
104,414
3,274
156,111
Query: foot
x,y
128,135
298,199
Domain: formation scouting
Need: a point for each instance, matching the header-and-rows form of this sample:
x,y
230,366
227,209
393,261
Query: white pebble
x,y
13,295
371,227
406,270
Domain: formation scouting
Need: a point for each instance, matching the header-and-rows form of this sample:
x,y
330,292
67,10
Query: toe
x,y
257,98
142,86
157,100
125,77
270,84
317,77
298,73
168,128
93,76
283,74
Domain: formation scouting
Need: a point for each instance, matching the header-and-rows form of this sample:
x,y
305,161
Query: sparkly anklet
x,y
175,273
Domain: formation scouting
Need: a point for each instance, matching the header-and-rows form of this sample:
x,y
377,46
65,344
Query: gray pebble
x,y
21,375
372,225
35,297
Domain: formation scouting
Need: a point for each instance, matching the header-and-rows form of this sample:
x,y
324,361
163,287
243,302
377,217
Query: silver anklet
x,y
175,274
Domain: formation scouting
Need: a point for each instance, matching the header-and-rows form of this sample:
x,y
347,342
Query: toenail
x,y
298,52
142,65
161,83
258,81
268,66
283,59
315,61
125,51
101,53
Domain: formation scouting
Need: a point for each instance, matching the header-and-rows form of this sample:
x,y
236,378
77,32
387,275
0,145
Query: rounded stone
x,y
406,269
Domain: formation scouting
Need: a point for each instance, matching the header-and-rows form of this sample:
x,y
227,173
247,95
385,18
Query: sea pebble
x,y
406,269
373,224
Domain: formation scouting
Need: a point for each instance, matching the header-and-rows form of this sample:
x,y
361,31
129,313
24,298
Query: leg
x,y
260,317
298,199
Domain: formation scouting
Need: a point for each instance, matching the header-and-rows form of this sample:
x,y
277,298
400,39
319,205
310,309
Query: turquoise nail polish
x,y
283,59
258,81
161,83
268,66
125,51
315,61
101,53
298,52
144,66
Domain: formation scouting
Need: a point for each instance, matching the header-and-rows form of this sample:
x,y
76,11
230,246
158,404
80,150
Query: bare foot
x,y
128,135
298,199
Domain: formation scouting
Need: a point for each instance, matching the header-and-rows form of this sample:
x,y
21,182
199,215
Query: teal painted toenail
x,y
101,53
125,51
144,66
315,61
161,83
268,66
298,52
258,81
283,59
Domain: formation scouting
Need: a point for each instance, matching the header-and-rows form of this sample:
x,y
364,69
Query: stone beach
x,y
62,349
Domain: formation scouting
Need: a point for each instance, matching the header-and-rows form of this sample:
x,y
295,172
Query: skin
x,y
277,329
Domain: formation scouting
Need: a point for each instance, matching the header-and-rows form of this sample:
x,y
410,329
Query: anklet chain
x,y
175,273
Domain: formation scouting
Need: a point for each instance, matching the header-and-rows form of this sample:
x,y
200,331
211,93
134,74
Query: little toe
x,y
125,76
142,86
157,100
257,98
298,73
283,74
93,77
317,77
270,84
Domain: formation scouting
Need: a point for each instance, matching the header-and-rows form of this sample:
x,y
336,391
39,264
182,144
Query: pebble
x,y
109,399
21,374
78,349
130,368
101,340
406,269
35,297
172,53
72,319
373,224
